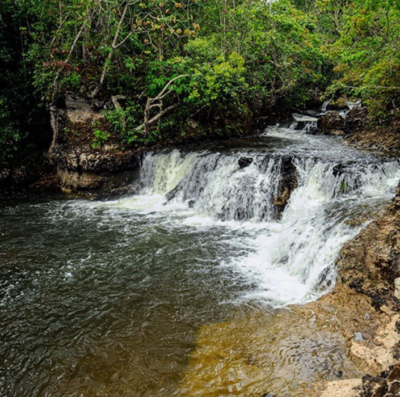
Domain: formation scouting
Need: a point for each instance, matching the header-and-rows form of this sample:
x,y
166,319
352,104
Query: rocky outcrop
x,y
84,170
370,262
245,162
84,164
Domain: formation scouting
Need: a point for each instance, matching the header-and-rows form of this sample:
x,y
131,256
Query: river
x,y
104,298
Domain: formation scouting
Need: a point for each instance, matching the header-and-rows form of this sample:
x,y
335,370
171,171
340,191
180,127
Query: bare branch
x,y
110,54
157,102
155,118
57,78
123,41
169,83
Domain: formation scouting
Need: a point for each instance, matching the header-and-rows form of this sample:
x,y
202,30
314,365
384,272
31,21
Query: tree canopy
x,y
222,61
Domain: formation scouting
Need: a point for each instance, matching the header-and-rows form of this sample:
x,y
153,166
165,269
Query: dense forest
x,y
164,71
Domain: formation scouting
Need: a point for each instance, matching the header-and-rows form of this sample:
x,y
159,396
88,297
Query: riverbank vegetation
x,y
165,71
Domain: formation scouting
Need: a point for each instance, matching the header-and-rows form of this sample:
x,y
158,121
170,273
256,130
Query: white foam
x,y
290,260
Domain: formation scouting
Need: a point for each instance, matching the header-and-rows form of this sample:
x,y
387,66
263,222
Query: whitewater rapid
x,y
289,259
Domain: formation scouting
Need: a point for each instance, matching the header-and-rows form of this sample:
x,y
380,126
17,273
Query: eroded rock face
x,y
93,171
80,167
370,262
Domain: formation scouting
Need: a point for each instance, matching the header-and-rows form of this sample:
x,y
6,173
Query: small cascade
x,y
215,184
304,123
299,199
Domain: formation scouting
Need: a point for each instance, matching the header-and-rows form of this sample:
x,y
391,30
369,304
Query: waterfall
x,y
214,184
294,203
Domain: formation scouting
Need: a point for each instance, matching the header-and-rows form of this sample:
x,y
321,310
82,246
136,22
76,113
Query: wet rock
x,y
172,194
282,199
370,262
191,203
337,132
331,121
245,162
306,122
306,118
286,185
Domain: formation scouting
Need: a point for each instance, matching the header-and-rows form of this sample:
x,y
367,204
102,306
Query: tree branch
x,y
157,102
110,54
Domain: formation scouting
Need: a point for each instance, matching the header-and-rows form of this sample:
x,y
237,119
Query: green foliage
x,y
100,138
366,53
239,57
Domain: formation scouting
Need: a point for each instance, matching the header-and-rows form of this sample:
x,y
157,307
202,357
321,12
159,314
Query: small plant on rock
x,y
100,137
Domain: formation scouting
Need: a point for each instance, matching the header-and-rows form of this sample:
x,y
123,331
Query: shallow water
x,y
106,297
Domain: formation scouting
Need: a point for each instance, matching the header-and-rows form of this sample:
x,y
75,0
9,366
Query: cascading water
x,y
290,260
106,297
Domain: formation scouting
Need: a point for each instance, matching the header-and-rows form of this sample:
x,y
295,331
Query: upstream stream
x,y
105,298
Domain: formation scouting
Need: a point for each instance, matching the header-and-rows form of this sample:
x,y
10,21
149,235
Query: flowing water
x,y
105,298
